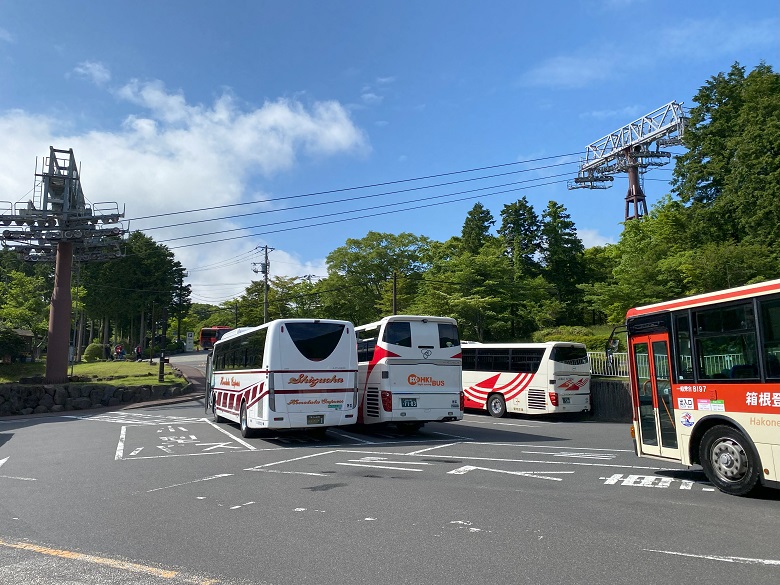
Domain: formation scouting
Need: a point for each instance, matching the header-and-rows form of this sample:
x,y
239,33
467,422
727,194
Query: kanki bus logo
x,y
311,381
571,384
415,380
229,382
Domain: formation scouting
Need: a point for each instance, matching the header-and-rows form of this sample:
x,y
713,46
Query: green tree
x,y
24,305
359,271
731,172
562,257
521,233
476,228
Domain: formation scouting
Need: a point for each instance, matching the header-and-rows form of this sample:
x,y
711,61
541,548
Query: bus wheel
x,y
246,432
729,460
496,405
217,418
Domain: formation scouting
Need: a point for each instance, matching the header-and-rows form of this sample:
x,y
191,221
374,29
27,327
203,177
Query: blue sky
x,y
273,118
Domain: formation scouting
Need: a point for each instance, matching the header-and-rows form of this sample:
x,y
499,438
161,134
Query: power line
x,y
369,186
321,223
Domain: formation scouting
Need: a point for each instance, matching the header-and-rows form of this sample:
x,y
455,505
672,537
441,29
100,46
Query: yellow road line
x,y
66,554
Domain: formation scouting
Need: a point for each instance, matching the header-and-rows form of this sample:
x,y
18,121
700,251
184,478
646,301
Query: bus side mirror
x,y
612,345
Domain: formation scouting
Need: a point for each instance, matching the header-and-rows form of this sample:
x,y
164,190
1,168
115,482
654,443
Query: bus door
x,y
657,425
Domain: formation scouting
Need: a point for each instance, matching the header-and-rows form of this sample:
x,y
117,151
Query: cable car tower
x,y
627,150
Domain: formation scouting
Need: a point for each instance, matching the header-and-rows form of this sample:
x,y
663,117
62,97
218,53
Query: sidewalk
x,y
197,381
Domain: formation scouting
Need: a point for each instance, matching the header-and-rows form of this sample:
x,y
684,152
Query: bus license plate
x,y
566,399
315,419
408,403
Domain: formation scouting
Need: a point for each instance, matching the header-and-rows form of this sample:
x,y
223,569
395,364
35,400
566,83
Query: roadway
x,y
162,494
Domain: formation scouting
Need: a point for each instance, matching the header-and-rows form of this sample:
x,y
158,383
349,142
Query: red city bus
x,y
210,335
705,383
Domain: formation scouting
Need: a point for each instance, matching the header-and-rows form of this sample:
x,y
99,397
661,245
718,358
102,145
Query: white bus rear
x,y
286,374
409,371
528,378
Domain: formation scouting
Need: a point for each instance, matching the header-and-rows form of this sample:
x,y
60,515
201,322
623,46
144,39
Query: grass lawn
x,y
117,373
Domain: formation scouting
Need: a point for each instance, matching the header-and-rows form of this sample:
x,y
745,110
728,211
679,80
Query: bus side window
x,y
469,360
365,348
684,357
770,336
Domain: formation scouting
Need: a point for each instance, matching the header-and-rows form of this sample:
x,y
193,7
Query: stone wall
x,y
35,398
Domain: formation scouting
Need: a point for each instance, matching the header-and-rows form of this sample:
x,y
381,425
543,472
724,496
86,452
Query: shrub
x,y
592,341
11,343
93,353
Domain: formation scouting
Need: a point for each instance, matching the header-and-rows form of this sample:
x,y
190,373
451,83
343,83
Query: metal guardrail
x,y
615,365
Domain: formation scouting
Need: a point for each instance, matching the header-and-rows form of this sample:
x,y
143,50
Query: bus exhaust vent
x,y
372,402
536,399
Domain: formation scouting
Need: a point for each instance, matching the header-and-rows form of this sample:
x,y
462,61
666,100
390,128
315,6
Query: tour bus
x,y
285,374
409,371
210,335
528,378
705,383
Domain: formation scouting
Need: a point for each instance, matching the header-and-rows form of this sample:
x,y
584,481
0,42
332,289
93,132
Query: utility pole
x,y
264,271
395,288
161,370
151,340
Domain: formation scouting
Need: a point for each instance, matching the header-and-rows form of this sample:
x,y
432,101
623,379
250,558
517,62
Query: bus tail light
x,y
553,398
271,393
462,401
387,400
355,394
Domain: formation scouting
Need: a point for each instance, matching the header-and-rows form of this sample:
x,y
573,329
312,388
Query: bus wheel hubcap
x,y
729,460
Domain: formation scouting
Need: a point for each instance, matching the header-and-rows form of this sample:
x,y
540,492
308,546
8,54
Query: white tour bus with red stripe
x,y
409,371
285,374
705,383
528,378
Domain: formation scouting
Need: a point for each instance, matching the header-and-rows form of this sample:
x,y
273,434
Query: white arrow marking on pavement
x,y
11,476
537,474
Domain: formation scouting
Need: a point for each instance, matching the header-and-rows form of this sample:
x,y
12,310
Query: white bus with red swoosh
x,y
409,371
526,378
285,374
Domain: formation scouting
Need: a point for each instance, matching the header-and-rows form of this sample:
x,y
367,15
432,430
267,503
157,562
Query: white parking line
x,y
743,560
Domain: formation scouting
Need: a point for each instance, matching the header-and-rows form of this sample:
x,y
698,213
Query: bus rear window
x,y
398,333
574,355
315,341
448,335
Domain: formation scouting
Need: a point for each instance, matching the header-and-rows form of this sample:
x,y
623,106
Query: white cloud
x,y
592,238
371,98
684,40
626,113
6,36
568,72
703,39
94,71
171,155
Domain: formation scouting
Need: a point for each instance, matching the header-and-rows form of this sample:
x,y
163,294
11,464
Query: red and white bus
x,y
409,371
285,374
210,335
528,378
705,384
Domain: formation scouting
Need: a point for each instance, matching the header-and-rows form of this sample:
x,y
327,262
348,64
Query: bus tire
x,y
217,418
729,460
246,432
496,405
